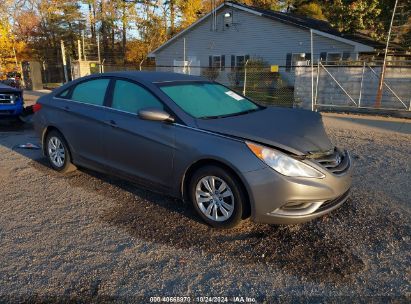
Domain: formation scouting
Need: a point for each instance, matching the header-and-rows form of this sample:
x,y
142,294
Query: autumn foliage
x,y
128,30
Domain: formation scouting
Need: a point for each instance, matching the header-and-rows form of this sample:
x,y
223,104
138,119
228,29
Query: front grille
x,y
6,98
334,161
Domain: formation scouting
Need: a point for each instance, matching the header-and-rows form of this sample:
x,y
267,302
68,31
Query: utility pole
x,y
312,70
245,77
15,57
381,82
184,56
84,47
98,52
63,56
18,68
79,49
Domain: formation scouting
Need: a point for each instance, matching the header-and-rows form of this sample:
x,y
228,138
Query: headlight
x,y
283,163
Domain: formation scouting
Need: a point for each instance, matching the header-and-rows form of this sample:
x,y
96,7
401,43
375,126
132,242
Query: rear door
x,y
136,148
81,119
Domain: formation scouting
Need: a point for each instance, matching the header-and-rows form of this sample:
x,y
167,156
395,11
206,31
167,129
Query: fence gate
x,y
357,86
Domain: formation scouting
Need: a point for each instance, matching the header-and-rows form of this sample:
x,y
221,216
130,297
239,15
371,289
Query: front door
x,y
137,148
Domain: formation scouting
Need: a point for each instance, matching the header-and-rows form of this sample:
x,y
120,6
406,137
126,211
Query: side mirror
x,y
155,115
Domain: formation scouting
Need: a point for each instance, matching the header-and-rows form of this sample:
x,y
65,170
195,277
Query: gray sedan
x,y
199,141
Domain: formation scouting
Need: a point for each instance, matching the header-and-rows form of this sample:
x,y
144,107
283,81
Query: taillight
x,y
36,107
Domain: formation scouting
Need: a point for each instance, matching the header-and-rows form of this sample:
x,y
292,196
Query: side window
x,y
288,62
240,61
333,58
346,56
64,94
299,59
91,92
130,97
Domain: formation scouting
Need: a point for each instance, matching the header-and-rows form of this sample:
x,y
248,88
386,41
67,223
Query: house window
x,y
239,61
228,19
297,59
346,56
217,62
333,58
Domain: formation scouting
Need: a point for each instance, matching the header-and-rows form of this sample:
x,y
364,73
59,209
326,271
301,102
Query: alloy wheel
x,y
214,198
56,151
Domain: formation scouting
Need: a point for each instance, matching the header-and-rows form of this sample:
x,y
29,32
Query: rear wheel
x,y
217,196
58,153
18,122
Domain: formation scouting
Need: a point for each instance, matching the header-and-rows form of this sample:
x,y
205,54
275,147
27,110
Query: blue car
x,y
11,102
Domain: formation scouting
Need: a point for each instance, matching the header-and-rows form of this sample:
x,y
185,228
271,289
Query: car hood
x,y
8,89
295,130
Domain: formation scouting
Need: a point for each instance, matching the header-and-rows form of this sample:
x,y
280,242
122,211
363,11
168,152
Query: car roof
x,y
154,77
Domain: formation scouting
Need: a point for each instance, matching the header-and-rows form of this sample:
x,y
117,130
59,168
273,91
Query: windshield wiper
x,y
230,115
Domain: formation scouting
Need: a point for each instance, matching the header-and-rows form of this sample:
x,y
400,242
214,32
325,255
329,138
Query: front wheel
x,y
58,153
217,197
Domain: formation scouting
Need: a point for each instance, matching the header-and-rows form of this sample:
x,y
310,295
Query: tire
x,y
60,162
18,122
229,202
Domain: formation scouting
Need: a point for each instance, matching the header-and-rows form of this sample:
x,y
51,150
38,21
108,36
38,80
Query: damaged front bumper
x,y
277,199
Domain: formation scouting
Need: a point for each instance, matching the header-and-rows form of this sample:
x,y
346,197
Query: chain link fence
x,y
354,85
256,82
326,86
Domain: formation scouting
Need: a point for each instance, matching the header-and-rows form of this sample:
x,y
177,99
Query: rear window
x,y
91,92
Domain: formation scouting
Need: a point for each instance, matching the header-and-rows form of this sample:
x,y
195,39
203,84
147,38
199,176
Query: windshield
x,y
208,100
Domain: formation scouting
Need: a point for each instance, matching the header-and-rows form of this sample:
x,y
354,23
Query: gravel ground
x,y
90,237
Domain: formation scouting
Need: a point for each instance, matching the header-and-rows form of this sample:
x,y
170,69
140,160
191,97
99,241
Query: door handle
x,y
67,108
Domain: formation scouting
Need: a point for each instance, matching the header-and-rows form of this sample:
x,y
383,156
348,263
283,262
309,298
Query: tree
x,y
42,24
264,4
190,11
6,48
172,6
12,47
401,32
151,28
354,15
311,9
